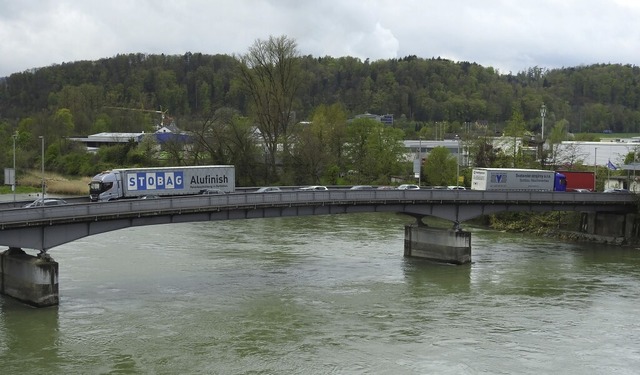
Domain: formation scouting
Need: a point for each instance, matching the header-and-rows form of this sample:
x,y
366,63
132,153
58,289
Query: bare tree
x,y
568,155
225,137
271,76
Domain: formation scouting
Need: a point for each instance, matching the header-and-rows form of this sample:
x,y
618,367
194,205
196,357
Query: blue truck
x,y
517,179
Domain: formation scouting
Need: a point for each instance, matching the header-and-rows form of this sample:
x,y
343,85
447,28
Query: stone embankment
x,y
594,238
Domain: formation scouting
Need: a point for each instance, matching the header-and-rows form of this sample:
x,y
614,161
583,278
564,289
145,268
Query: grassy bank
x,y
31,182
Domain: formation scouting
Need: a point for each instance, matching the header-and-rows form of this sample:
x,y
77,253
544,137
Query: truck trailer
x,y
579,181
517,179
169,181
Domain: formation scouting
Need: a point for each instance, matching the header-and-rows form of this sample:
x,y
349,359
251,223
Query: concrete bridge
x,y
44,228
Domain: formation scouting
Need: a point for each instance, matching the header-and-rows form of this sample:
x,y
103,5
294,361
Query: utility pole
x,y
43,184
420,161
543,112
458,162
13,187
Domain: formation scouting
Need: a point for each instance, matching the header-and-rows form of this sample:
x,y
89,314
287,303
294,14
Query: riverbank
x,y
566,235
559,225
30,183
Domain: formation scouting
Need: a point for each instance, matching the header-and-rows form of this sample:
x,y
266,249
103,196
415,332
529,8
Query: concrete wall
x,y
29,279
440,245
609,228
610,224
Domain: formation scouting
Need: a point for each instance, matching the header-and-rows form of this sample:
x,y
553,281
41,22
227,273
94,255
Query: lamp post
x,y
42,139
543,112
13,187
458,162
420,161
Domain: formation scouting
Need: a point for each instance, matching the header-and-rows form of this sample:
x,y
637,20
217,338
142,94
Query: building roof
x,y
631,167
111,137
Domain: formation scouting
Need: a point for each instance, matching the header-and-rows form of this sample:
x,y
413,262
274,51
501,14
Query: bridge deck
x,y
43,228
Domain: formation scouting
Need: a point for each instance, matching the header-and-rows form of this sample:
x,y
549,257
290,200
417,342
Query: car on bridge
x,y
150,196
314,187
617,191
46,202
211,192
269,189
581,191
408,187
362,187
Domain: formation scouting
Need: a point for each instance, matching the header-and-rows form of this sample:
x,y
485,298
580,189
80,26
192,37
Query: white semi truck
x,y
517,179
138,182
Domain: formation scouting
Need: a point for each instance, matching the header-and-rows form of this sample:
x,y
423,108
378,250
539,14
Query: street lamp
x,y
13,187
42,139
543,112
458,162
420,161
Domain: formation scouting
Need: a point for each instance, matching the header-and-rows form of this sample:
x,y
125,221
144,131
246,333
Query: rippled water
x,y
327,295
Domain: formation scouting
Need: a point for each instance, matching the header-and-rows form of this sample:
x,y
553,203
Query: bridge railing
x,y
206,202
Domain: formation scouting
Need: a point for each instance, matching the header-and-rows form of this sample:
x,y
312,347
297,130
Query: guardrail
x,y
132,207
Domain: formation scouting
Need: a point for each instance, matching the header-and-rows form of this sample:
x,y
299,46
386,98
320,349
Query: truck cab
x,y
560,182
104,187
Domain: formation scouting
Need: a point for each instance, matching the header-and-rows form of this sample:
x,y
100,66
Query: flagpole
x,y
611,167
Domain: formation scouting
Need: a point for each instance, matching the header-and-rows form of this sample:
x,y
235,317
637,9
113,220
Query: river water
x,y
326,295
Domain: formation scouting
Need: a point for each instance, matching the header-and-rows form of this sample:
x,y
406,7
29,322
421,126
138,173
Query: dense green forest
x,y
221,100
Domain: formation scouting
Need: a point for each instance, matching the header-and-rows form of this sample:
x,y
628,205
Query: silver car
x,y
47,202
269,189
362,187
408,187
314,187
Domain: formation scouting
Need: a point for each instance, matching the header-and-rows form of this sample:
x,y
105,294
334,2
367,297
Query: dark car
x,y
211,192
617,191
47,202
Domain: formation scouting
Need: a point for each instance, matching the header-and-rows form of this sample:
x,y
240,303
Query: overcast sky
x,y
510,35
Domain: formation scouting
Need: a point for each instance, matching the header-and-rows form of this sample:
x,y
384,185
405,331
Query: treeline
x,y
249,111
591,98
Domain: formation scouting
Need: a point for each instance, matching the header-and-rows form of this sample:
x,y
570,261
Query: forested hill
x,y
417,90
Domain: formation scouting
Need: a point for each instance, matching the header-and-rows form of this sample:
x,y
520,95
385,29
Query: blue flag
x,y
611,166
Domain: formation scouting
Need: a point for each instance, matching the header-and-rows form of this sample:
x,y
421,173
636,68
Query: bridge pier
x,y
29,279
436,244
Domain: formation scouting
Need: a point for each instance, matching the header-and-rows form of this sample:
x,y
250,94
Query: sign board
x,y
416,166
9,176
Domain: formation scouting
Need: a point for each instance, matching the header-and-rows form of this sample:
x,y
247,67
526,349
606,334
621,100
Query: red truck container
x,y
579,181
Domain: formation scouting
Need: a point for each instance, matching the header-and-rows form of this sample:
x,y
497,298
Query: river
x,y
326,295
